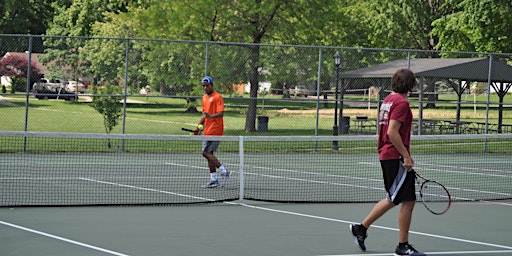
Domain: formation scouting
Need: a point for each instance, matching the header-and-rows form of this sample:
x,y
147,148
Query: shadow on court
x,y
248,229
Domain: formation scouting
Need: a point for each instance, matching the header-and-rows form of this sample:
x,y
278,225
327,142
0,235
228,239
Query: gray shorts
x,y
210,146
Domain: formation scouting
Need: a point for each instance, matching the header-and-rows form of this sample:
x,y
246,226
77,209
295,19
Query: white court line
x,y
298,179
260,208
146,189
187,165
428,253
500,203
109,183
349,222
63,239
343,176
460,172
380,227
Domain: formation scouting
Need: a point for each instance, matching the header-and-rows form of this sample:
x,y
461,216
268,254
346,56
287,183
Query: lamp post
x,y
343,122
335,129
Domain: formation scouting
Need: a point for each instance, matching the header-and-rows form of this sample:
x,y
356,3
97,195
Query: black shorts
x,y
399,183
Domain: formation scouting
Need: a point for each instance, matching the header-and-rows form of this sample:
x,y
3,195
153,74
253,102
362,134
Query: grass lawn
x,y
166,115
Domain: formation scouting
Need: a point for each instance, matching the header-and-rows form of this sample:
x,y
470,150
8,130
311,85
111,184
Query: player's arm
x,y
199,125
201,121
396,140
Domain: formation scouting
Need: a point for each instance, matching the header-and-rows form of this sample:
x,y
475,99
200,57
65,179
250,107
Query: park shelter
x,y
457,72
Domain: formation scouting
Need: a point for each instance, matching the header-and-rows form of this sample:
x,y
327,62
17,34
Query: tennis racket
x,y
434,196
192,132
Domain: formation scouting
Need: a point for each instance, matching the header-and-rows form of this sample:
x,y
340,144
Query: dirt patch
x,y
83,98
328,112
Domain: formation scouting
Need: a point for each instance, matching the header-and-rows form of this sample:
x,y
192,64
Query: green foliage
x,y
109,105
25,16
78,18
19,84
483,26
401,23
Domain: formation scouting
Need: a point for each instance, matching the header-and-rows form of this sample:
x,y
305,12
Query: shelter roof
x,y
469,69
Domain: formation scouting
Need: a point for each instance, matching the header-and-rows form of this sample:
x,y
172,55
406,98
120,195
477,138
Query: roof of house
x,y
34,59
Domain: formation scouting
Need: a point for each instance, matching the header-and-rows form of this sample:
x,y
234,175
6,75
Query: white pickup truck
x,y
48,84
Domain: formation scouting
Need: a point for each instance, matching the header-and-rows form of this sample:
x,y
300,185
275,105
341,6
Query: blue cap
x,y
207,80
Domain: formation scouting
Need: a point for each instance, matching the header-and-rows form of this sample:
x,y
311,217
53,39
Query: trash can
x,y
262,123
345,124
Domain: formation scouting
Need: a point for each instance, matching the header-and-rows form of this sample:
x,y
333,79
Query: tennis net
x,y
72,169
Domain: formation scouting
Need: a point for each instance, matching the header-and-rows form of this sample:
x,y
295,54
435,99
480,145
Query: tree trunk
x,y
250,120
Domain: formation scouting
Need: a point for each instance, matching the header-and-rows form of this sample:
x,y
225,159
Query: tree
x,y
24,17
403,24
254,21
107,102
483,26
77,18
103,56
15,66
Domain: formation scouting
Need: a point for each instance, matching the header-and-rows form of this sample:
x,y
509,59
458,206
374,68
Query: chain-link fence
x,y
301,90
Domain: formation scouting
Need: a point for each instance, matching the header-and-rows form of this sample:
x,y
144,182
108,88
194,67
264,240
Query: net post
x,y
241,167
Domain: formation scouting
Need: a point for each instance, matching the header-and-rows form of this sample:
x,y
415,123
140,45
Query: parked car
x,y
57,93
299,91
48,84
75,86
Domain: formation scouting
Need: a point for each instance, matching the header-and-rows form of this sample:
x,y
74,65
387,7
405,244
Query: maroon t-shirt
x,y
394,107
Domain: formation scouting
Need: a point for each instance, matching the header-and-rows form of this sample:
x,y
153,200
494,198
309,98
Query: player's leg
x,y
404,220
225,173
208,149
408,195
359,231
378,210
213,181
389,172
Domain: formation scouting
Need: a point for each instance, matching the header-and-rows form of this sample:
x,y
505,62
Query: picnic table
x,y
364,124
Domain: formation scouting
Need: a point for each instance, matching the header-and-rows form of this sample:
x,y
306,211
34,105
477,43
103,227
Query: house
x,y
6,80
42,69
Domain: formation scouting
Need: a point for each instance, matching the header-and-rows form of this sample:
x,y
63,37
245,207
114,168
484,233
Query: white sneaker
x,y
225,177
211,184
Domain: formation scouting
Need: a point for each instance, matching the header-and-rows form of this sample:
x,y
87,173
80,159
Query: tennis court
x,y
287,196
252,229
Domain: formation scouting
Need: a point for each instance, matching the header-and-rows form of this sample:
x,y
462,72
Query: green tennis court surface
x,y
254,229
286,196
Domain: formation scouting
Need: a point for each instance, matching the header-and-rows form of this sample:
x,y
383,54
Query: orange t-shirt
x,y
213,104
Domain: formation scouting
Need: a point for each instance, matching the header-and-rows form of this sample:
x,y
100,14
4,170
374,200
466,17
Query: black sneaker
x,y
359,233
408,250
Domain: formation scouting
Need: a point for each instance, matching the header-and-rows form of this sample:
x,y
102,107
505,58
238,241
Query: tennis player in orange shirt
x,y
213,123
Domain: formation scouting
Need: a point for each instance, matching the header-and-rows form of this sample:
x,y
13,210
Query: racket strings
x,y
435,197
